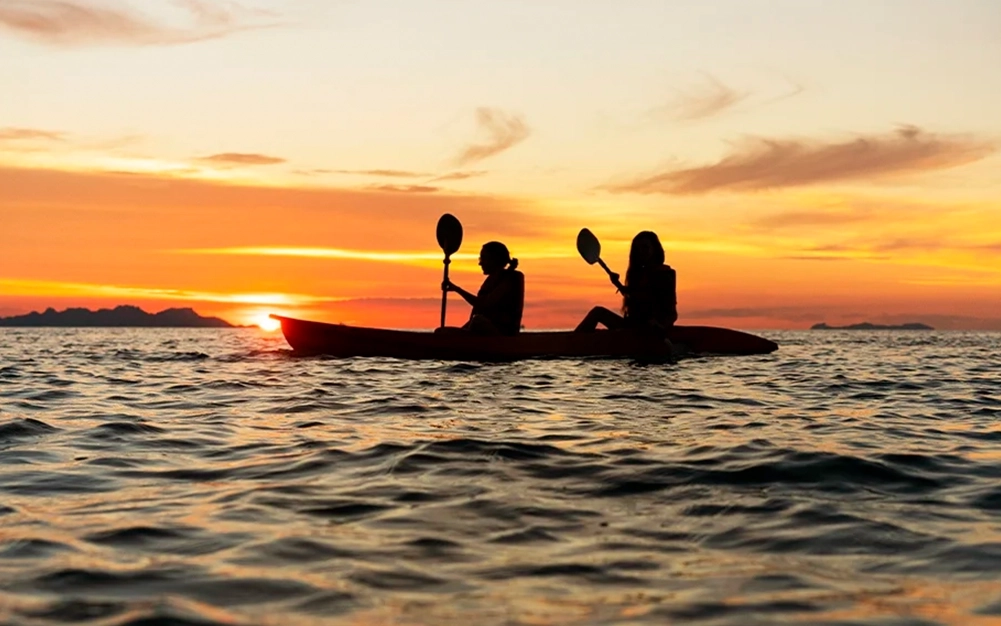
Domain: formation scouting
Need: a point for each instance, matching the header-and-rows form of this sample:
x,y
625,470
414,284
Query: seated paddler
x,y
649,295
500,301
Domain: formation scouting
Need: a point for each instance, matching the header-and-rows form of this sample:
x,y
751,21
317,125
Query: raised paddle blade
x,y
449,234
588,246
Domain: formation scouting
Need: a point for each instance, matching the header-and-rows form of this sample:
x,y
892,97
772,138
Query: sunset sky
x,y
801,160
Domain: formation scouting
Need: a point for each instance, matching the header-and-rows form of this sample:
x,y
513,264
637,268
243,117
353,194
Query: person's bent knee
x,y
482,325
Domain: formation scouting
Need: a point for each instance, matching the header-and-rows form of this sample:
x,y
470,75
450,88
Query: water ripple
x,y
214,477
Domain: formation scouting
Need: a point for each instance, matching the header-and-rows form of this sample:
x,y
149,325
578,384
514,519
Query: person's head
x,y
494,257
646,251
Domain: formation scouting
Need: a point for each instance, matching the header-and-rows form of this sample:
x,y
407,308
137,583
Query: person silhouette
x,y
649,295
500,301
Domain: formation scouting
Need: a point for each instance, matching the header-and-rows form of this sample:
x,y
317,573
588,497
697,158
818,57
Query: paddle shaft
x,y
444,293
607,271
604,267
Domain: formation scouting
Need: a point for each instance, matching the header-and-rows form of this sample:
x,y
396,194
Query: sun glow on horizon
x,y
266,323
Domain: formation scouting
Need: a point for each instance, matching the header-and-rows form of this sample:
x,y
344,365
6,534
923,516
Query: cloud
x,y
795,314
313,172
796,219
505,130
705,101
238,158
928,243
114,212
29,134
407,188
458,176
383,256
385,173
380,173
76,23
760,163
889,248
20,287
795,89
834,257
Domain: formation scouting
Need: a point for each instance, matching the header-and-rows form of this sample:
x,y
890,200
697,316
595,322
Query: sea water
x,y
214,477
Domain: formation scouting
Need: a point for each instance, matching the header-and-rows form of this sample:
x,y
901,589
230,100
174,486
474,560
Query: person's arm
x,y
617,283
468,297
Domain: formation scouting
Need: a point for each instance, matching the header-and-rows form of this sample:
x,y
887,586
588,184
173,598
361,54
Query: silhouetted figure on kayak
x,y
498,305
649,295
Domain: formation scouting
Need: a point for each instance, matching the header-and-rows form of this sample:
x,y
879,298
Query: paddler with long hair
x,y
498,305
649,295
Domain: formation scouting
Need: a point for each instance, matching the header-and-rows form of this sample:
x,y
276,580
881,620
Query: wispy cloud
x,y
459,176
795,88
760,163
385,173
430,177
30,134
379,256
18,287
835,257
76,22
927,243
504,130
704,101
820,217
792,313
309,215
313,172
406,188
328,253
239,158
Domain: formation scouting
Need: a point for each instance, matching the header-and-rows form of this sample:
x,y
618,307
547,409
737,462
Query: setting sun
x,y
266,323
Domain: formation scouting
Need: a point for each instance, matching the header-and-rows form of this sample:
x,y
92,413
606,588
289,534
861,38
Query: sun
x,y
266,323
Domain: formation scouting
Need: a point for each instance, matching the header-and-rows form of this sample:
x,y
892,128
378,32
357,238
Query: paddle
x,y
449,234
590,248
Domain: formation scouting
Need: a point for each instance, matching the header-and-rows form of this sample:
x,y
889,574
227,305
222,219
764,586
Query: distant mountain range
x,y
870,326
120,316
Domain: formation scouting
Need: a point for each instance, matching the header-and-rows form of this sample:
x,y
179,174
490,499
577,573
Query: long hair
x,y
637,265
499,251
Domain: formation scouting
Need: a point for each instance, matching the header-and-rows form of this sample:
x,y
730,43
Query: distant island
x,y
120,316
869,326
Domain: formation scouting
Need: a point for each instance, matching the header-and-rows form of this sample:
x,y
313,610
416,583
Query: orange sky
x,y
162,158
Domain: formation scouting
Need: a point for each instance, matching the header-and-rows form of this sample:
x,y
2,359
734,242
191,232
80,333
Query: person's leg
x,y
600,315
480,325
451,330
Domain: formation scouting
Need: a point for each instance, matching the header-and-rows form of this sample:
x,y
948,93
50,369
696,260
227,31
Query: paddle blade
x,y
588,246
449,234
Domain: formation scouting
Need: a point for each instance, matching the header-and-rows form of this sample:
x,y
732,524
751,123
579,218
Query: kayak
x,y
341,340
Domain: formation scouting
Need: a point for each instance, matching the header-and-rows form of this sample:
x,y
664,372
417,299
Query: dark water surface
x,y
210,477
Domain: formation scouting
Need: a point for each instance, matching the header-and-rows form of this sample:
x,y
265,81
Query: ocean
x,y
213,477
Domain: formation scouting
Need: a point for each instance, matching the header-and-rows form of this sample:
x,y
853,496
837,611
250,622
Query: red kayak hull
x,y
341,340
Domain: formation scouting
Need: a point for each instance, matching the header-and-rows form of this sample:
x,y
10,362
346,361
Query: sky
x,y
801,160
